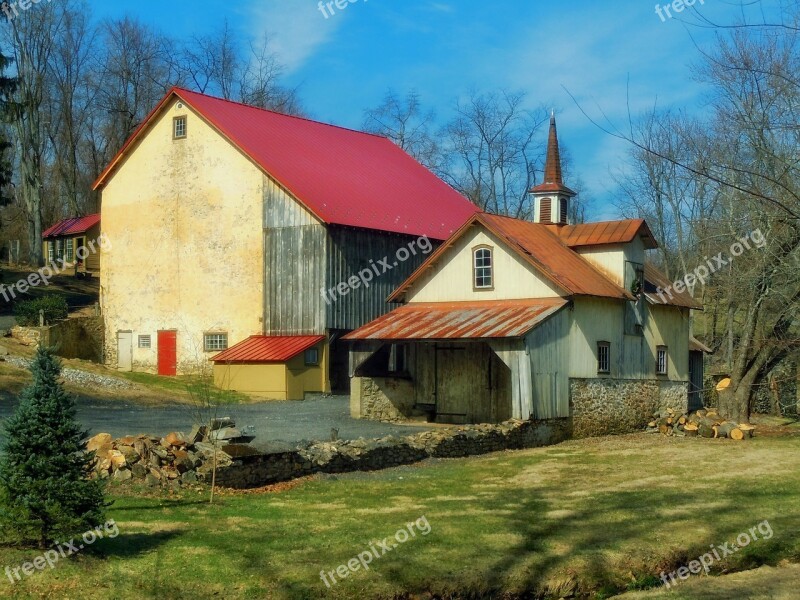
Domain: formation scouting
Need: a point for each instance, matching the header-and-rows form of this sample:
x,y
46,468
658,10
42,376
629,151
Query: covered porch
x,y
459,362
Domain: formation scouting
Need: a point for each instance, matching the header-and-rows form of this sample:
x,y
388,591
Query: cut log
x,y
664,429
705,430
682,420
652,425
725,430
701,413
670,420
747,429
690,432
736,434
690,427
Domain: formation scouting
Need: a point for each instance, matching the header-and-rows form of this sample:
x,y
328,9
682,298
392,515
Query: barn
x,y
530,320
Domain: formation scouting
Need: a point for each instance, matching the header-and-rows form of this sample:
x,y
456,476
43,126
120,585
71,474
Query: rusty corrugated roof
x,y
262,348
607,232
342,176
487,319
71,226
540,247
655,282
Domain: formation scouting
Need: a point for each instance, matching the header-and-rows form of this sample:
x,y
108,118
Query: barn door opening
x,y
168,353
124,350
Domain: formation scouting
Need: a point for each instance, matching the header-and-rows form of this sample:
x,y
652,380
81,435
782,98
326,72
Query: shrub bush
x,y
27,312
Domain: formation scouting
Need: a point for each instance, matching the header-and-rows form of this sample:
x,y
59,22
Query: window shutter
x,y
563,215
546,210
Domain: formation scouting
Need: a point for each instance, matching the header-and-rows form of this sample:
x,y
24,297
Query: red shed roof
x,y
262,348
71,226
488,319
342,176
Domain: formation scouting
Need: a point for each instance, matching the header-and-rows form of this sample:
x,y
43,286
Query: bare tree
x,y
407,124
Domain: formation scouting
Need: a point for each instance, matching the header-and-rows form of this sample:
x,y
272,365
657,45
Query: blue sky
x,y
609,55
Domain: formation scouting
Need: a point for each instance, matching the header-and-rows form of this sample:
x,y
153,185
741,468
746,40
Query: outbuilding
x,y
274,367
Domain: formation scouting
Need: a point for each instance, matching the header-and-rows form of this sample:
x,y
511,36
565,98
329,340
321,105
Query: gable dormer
x,y
552,198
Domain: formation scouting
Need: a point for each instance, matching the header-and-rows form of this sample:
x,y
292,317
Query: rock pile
x,y
173,460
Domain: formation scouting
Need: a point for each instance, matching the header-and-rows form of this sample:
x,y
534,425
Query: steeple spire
x,y
552,166
551,196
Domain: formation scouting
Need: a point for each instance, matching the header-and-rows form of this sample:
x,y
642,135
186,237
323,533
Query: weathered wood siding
x,y
548,348
295,245
451,278
350,251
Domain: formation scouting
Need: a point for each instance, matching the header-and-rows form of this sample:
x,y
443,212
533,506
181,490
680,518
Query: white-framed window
x,y
145,341
70,249
59,249
179,128
483,268
214,342
51,251
662,360
603,357
312,357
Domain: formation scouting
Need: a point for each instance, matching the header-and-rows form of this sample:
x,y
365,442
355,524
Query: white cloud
x,y
297,28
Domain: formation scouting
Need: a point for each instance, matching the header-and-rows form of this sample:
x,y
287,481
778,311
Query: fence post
x,y
41,318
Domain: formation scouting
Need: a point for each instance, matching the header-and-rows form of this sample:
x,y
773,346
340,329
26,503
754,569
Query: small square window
x,y
603,357
214,342
312,357
179,128
662,361
145,341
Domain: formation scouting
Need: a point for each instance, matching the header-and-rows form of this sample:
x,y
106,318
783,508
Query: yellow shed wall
x,y
268,381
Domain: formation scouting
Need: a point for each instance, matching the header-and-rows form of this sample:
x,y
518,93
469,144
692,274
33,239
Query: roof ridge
x,y
177,89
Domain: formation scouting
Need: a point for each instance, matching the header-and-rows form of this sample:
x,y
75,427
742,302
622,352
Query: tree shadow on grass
x,y
130,545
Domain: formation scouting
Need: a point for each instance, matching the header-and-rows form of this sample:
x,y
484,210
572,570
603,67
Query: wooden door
x,y
124,350
168,353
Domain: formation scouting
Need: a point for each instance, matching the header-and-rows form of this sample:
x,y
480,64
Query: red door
x,y
168,353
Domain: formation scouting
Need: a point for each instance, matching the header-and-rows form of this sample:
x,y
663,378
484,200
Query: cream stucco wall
x,y
184,220
451,278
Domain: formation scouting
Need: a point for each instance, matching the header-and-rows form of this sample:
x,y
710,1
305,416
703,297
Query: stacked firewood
x,y
707,423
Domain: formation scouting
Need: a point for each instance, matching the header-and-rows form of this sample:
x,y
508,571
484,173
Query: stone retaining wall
x,y
258,469
77,337
615,406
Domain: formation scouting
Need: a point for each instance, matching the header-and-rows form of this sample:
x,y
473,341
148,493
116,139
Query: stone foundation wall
x,y
80,337
259,469
381,398
615,406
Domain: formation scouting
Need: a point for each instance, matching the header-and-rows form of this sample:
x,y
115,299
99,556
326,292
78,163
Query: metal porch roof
x,y
460,320
71,226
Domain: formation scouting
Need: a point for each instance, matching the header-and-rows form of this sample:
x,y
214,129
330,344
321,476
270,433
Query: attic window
x,y
483,268
179,128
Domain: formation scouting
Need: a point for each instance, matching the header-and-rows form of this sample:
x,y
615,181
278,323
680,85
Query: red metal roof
x,y
460,320
71,226
261,348
608,232
344,177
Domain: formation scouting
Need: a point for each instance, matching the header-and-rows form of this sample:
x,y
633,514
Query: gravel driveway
x,y
311,419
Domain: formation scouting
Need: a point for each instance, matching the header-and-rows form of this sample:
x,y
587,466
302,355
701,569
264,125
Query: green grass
x,y
184,386
589,518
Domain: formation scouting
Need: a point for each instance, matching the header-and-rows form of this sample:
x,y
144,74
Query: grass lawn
x,y
591,517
